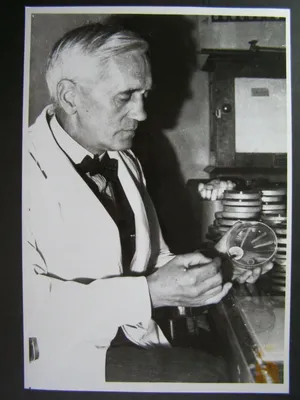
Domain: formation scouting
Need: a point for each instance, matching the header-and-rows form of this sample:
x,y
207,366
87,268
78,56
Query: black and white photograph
x,y
156,199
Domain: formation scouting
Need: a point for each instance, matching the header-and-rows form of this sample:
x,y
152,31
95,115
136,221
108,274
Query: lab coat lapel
x,y
74,195
142,254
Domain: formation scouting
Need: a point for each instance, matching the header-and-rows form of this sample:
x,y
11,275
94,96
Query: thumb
x,y
195,258
221,245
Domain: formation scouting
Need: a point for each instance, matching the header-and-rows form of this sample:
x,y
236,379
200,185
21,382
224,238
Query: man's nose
x,y
137,110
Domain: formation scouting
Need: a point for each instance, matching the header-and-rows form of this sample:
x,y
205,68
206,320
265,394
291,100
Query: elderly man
x,y
95,262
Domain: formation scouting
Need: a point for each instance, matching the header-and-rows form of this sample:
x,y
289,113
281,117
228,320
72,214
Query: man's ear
x,y
66,95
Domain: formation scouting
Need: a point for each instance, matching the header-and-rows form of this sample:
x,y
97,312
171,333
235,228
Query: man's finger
x,y
199,274
230,185
243,277
219,296
193,259
203,193
209,186
221,245
214,194
215,182
254,276
214,291
266,268
205,284
220,193
200,186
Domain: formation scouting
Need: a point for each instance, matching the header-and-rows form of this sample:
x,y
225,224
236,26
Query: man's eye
x,y
125,97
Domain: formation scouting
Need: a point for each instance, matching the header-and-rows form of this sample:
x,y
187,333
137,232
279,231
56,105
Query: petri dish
x,y
251,244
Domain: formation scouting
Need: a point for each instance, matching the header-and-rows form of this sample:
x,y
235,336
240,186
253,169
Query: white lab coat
x,y
68,233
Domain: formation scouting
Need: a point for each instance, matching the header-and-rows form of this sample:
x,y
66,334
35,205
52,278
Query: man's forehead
x,y
130,70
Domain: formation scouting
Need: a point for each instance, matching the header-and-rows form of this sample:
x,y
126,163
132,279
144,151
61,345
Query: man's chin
x,y
125,144
128,133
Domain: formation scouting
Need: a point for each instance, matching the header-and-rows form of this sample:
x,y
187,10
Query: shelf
x,y
266,62
244,170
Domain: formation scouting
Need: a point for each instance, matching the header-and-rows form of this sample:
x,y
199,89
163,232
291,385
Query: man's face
x,y
109,108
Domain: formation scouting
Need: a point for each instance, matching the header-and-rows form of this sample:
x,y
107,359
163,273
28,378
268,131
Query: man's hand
x,y
251,276
189,280
240,274
214,190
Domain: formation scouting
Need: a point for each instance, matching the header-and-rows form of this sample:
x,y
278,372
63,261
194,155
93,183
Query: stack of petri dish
x,y
274,215
237,205
265,206
273,203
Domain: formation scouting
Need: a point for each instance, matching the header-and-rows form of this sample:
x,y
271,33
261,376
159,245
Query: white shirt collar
x,y
73,149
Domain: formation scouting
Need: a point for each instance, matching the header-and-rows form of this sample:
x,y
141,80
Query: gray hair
x,y
81,46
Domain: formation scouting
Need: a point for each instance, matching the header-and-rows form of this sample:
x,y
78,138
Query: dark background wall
x,y
46,29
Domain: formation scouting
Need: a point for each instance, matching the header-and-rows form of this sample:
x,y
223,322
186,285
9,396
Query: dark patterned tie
x,y
116,205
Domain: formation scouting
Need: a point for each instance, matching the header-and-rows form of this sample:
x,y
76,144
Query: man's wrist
x,y
151,290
